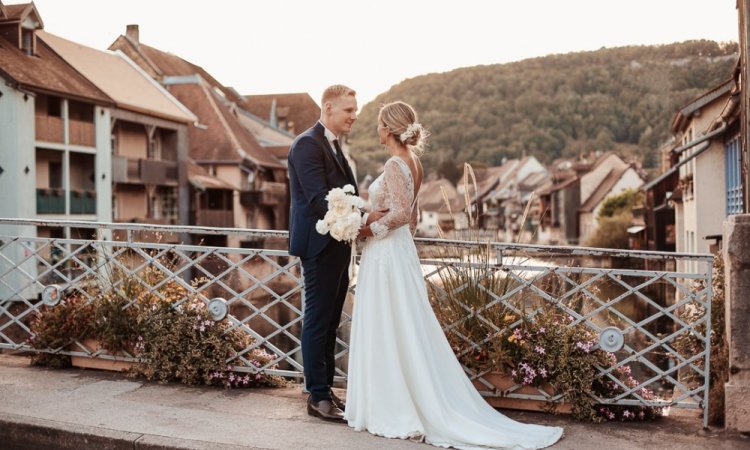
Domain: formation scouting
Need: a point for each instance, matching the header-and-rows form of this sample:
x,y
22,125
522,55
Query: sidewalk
x,y
43,408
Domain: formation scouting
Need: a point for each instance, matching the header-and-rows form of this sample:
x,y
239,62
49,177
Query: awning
x,y
635,229
204,182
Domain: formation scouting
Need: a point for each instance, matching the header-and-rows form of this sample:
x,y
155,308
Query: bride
x,y
404,380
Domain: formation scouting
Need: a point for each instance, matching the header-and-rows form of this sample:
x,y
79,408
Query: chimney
x,y
131,31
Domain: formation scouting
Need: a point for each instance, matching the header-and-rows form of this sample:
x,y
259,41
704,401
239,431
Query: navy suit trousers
x,y
326,283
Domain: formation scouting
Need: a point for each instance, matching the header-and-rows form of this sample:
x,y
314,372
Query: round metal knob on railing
x,y
218,309
611,339
52,294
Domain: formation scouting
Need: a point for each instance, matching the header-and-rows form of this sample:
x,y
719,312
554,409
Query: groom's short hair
x,y
335,91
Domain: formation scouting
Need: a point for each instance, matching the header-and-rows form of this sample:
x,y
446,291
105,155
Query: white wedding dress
x,y
404,379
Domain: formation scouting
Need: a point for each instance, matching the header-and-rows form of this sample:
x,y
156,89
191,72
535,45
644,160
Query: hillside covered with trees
x,y
619,99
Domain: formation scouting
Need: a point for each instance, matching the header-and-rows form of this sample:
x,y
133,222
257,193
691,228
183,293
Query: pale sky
x,y
276,46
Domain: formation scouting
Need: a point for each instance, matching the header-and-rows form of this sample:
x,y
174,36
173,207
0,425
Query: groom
x,y
317,165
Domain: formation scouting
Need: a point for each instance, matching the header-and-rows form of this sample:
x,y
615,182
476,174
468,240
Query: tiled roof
x,y
301,108
562,184
14,12
120,79
604,189
431,196
46,72
163,64
266,135
220,136
684,113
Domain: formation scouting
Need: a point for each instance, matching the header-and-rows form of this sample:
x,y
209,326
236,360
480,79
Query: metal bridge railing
x,y
634,300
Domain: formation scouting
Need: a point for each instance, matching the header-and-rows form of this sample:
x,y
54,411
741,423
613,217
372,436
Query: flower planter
x,y
501,386
116,365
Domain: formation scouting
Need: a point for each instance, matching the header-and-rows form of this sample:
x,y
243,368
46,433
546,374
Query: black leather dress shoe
x,y
324,409
338,402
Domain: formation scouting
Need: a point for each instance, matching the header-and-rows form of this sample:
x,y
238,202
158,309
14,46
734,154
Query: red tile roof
x,y
604,188
46,72
15,12
220,136
119,78
165,64
301,108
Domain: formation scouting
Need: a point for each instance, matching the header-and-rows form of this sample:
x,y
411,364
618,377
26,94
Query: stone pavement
x,y
78,409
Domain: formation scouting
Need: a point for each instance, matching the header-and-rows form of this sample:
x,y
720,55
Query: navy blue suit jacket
x,y
313,171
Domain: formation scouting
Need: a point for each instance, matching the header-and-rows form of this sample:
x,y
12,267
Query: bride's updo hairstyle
x,y
400,119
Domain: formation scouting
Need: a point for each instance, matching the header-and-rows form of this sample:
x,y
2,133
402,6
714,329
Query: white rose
x,y
349,189
321,227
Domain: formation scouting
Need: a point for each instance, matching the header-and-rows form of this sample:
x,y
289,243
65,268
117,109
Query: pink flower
x,y
539,349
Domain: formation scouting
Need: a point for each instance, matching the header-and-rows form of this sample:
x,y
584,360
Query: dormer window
x,y
27,41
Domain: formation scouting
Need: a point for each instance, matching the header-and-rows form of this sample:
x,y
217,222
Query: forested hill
x,y
619,99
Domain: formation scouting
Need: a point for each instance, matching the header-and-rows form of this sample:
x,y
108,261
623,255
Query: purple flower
x,y
543,372
513,373
539,349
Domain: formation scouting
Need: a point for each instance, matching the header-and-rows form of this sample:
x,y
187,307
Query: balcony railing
x,y
125,170
50,201
82,133
83,202
49,128
144,171
220,218
269,194
158,172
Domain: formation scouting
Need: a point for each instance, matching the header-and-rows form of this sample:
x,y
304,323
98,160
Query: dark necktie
x,y
339,153
342,159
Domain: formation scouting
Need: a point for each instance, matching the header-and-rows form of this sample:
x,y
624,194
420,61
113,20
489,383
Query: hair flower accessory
x,y
411,130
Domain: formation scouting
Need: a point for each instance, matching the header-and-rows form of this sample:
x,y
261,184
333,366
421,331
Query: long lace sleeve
x,y
414,218
398,191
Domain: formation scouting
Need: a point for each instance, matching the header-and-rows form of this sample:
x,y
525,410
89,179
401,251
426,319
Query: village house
x,y
441,209
705,160
220,143
608,176
149,130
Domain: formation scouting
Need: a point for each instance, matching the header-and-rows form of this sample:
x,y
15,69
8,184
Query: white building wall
x,y
103,164
709,195
17,186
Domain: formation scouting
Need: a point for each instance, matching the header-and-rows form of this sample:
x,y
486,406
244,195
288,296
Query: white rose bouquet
x,y
343,218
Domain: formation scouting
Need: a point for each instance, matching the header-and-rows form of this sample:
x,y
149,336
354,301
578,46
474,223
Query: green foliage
x,y
184,344
612,231
622,202
56,327
554,106
167,327
546,350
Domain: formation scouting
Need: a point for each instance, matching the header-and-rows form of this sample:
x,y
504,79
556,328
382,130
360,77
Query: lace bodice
x,y
393,190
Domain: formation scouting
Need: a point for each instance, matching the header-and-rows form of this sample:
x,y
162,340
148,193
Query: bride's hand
x,y
376,215
365,231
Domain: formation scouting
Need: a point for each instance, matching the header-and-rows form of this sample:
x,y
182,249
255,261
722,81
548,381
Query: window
x,y
27,41
733,176
167,207
55,175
